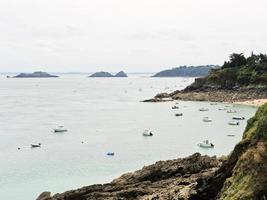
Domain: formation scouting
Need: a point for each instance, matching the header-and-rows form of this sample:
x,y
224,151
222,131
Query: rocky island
x,y
107,74
186,71
239,79
241,175
37,74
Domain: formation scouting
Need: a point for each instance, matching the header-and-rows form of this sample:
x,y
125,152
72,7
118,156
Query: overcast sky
x,y
132,35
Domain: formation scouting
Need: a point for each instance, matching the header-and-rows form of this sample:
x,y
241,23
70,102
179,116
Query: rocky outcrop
x,y
121,74
184,71
101,74
107,74
173,178
38,74
240,79
241,175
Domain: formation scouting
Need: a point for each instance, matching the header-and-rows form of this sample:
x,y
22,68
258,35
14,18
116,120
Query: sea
x,y
101,115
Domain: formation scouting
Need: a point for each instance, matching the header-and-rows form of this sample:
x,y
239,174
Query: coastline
x,y
249,97
193,177
254,102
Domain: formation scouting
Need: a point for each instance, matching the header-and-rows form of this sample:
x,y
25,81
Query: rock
x,y
162,95
121,74
37,74
44,196
107,74
161,180
101,74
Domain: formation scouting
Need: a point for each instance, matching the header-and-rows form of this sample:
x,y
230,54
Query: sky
x,y
129,35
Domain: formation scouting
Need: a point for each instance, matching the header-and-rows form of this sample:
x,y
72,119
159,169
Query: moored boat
x,y
175,107
238,118
207,119
231,111
178,114
60,129
203,109
206,144
34,145
233,123
147,133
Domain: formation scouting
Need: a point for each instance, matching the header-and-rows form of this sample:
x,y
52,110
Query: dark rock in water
x,y
101,74
107,74
184,71
121,74
45,196
38,74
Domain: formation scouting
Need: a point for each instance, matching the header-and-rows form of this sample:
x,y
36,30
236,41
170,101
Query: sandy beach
x,y
254,102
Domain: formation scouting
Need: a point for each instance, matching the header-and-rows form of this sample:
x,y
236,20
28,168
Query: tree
x,y
237,60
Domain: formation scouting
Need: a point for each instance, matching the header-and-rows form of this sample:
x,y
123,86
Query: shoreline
x,y
254,102
249,97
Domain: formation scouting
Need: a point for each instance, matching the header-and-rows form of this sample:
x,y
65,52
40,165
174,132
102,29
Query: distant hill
x,y
37,74
107,74
184,71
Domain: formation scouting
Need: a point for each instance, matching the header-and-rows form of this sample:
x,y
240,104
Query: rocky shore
x,y
229,96
173,178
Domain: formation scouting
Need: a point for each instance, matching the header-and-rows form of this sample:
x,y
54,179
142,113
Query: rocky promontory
x,y
239,79
241,175
176,178
103,74
37,74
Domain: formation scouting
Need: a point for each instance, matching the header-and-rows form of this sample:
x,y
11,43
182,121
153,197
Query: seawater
x,y
101,115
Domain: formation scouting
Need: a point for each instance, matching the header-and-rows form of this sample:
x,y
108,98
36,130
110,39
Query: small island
x,y
186,71
37,74
103,74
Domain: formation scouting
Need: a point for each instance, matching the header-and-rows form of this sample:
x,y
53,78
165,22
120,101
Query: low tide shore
x,y
254,102
252,97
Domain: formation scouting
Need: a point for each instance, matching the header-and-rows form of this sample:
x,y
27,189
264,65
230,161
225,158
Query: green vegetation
x,y
248,180
238,72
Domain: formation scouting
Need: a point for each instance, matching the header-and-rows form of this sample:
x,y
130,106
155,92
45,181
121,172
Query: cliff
x,y
241,175
184,71
38,74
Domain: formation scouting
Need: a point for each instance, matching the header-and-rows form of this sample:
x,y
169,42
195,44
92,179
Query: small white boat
x,y
222,109
206,144
147,133
203,109
233,123
60,129
213,103
34,145
231,111
207,119
175,107
238,118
